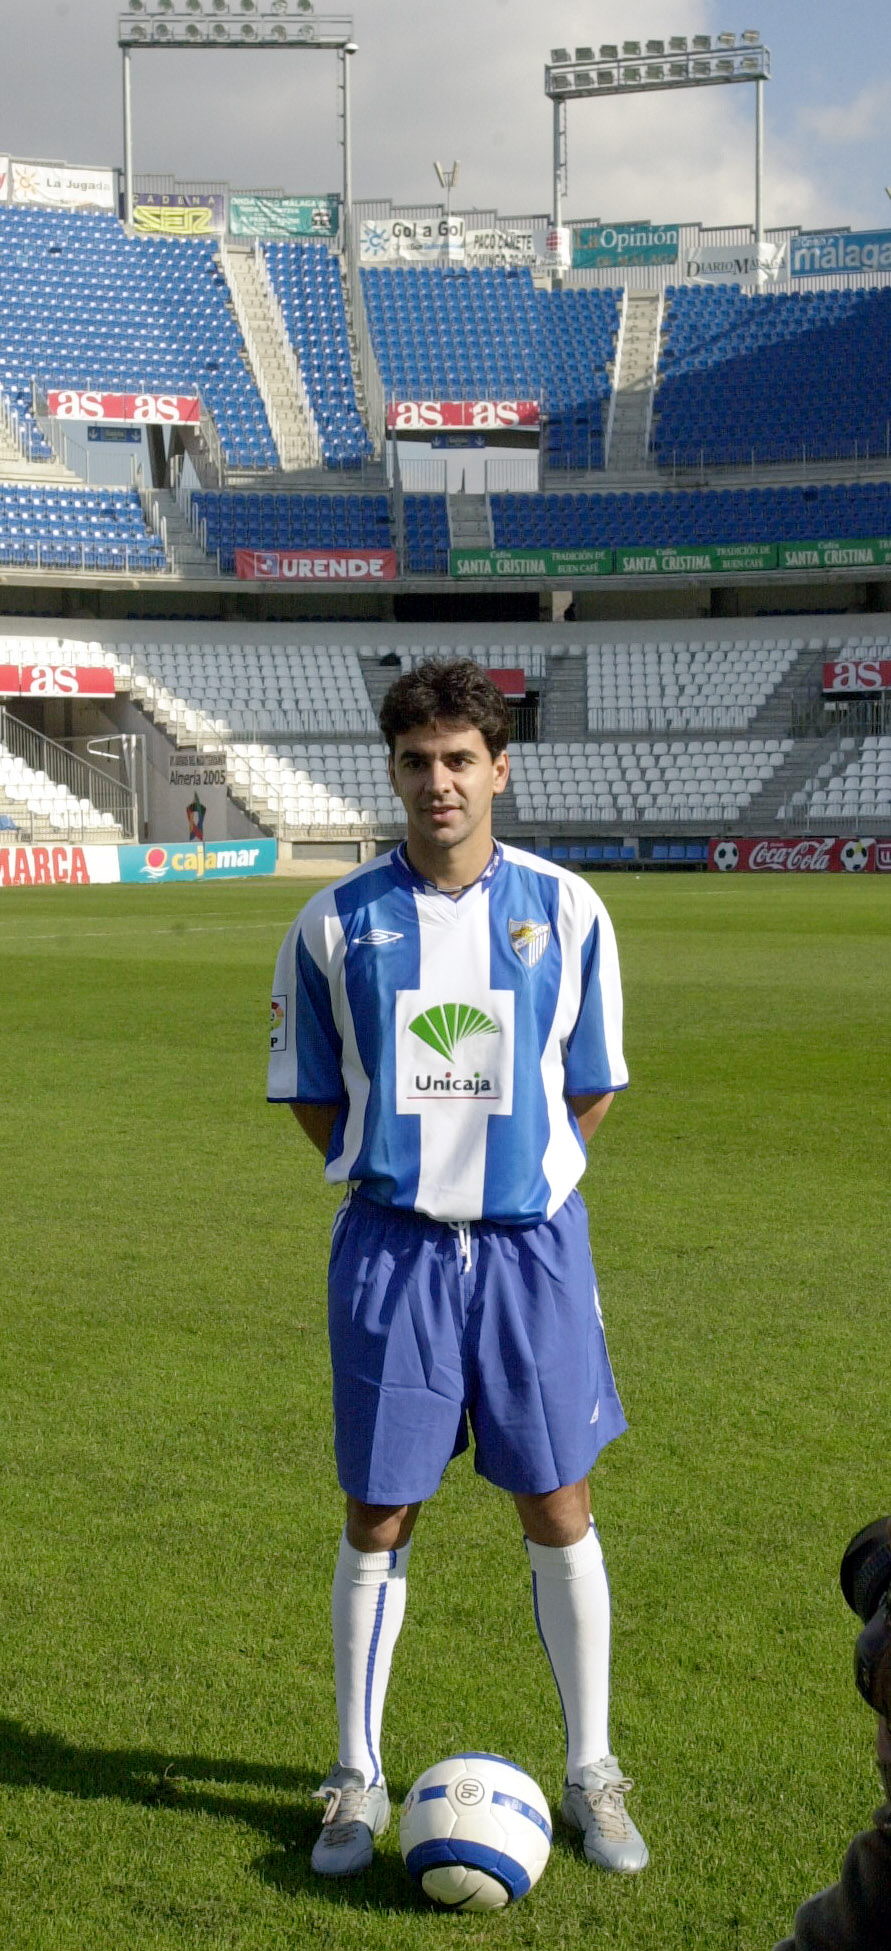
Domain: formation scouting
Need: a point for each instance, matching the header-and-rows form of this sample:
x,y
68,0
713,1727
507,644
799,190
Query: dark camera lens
x,y
865,1574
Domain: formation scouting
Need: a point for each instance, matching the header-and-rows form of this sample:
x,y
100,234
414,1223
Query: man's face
x,y
447,779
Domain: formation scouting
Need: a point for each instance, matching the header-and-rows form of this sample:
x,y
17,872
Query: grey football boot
x,y
595,1805
353,1816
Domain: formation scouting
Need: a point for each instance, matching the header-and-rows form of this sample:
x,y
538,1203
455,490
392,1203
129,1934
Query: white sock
x,y
570,1594
367,1610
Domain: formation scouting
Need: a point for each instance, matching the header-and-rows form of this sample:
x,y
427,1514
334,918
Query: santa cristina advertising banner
x,y
830,252
283,216
708,559
598,246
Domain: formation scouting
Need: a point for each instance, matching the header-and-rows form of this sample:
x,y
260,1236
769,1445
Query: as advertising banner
x,y
178,215
55,187
733,264
283,216
317,565
409,240
59,866
858,674
602,246
149,409
417,416
828,253
224,860
823,854
470,563
874,554
56,681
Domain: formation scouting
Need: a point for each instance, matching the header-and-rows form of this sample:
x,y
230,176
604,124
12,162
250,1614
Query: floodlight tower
x,y
200,25
637,67
447,179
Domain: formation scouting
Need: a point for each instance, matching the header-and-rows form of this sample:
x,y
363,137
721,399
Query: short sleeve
x,y
304,1044
594,1059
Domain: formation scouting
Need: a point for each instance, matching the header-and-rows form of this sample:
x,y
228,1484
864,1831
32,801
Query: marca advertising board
x,y
419,416
600,246
148,409
58,866
317,565
858,674
178,215
56,681
827,253
811,854
283,216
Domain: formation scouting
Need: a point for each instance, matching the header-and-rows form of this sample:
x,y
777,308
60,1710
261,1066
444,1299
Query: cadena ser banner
x,y
317,565
56,681
149,409
178,215
418,416
283,216
858,674
812,854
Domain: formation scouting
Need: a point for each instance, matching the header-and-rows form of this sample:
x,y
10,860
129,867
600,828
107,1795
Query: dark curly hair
x,y
457,691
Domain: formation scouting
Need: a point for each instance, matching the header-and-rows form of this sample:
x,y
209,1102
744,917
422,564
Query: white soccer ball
x,y
726,856
855,856
475,1832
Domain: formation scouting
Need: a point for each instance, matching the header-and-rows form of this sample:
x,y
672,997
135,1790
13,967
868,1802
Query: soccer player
x,y
447,1029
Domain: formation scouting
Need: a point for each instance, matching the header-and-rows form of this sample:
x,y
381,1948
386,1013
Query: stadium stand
x,y
742,372
852,785
488,334
70,528
670,519
84,306
289,521
307,282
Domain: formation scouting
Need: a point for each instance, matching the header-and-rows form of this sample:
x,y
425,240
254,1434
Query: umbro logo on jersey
x,y
377,938
529,939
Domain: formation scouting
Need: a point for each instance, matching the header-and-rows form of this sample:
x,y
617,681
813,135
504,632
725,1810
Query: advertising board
x,y
808,854
316,565
56,681
418,416
149,409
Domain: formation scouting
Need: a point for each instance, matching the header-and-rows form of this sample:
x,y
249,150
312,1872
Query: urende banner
x,y
808,854
56,681
827,253
149,409
283,216
53,186
317,565
605,245
58,866
858,674
417,416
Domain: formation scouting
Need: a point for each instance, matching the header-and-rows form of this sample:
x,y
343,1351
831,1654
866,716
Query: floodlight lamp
x,y
610,52
606,77
725,66
162,31
750,65
702,43
247,6
631,47
702,67
192,32
304,6
139,33
219,6
560,55
585,54
655,47
305,32
219,31
677,70
247,31
584,78
193,6
165,6
751,36
655,71
136,6
560,84
725,40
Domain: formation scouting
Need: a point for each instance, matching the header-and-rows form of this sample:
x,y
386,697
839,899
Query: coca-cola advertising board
x,y
148,409
858,674
56,681
418,416
803,854
317,565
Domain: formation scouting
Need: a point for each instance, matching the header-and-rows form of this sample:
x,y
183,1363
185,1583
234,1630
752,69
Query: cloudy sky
x,y
464,80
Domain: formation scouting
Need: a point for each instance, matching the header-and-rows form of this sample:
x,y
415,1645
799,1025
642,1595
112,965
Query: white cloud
x,y
850,122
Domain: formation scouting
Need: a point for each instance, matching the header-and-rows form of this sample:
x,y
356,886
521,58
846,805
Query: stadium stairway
x,y
272,360
184,551
564,698
800,765
634,382
470,524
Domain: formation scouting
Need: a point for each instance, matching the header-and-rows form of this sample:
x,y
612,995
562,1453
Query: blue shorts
x,y
423,1343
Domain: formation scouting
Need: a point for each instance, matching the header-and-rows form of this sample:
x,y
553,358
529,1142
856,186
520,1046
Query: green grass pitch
x,y
169,1509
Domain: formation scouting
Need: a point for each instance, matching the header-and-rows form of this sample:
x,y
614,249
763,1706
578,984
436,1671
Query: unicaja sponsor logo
x,y
444,1028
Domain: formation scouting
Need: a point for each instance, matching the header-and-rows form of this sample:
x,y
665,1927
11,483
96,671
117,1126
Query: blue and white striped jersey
x,y
450,1031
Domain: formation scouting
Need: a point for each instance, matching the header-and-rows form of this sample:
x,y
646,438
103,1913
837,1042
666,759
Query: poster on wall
x,y
283,216
53,186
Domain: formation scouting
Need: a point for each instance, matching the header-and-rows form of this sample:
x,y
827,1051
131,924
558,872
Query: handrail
x,y
65,768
